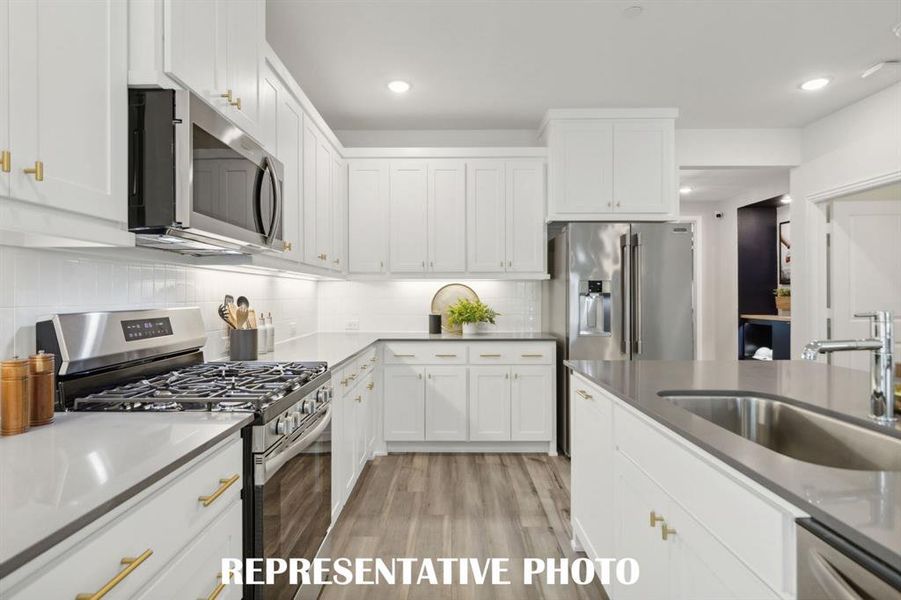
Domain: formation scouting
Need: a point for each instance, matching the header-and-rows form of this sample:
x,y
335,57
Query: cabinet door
x,y
592,473
580,161
636,496
367,216
317,195
337,258
68,99
445,404
4,97
485,216
404,404
324,167
289,145
243,37
361,407
644,166
351,413
194,51
270,91
489,404
408,192
532,396
447,216
526,240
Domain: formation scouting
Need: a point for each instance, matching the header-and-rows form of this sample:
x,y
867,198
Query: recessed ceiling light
x,y
685,189
812,85
399,86
786,199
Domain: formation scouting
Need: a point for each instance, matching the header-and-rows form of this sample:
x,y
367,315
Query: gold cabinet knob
x,y
370,386
289,246
37,170
655,518
236,103
227,95
337,261
359,398
322,256
665,532
6,159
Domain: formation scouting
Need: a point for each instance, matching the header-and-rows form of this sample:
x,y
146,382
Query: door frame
x,y
697,281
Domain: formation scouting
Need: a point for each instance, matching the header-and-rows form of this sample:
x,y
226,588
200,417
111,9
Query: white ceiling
x,y
714,185
482,64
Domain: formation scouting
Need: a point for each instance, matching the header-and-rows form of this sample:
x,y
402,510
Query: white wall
x,y
700,148
439,138
405,305
37,283
856,148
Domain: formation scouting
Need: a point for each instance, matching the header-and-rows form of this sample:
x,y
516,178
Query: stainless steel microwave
x,y
198,184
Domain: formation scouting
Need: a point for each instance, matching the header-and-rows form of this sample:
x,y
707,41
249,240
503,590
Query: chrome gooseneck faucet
x,y
882,365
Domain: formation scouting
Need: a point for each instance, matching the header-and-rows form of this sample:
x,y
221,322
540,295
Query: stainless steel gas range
x,y
150,361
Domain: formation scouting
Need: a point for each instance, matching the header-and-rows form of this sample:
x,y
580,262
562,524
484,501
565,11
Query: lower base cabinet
x,y
489,406
445,404
404,402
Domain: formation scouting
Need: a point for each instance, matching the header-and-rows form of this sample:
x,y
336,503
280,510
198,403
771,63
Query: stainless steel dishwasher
x,y
830,567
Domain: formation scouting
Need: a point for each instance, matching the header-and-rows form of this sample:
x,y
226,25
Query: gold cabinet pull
x,y
6,159
37,170
224,484
337,261
584,394
404,356
446,356
655,518
216,590
322,256
665,531
370,386
516,376
289,246
533,355
227,95
344,381
352,377
359,398
420,375
236,103
131,563
490,355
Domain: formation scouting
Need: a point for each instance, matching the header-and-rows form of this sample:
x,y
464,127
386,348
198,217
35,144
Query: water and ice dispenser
x,y
595,307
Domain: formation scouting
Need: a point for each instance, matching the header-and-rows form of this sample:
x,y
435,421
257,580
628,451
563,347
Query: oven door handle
x,y
272,465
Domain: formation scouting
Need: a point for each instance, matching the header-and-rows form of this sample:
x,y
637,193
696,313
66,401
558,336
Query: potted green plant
x,y
783,299
469,313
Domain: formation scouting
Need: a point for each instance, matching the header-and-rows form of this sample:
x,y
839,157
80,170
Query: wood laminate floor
x,y
460,505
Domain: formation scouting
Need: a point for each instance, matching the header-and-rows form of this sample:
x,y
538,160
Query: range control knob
x,y
307,407
280,427
322,395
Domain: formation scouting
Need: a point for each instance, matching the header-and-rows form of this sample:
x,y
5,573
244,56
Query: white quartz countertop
x,y
335,348
56,479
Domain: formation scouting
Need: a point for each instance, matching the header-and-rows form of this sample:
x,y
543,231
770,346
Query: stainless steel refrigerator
x,y
618,291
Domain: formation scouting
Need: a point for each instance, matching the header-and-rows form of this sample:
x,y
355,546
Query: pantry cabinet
x,y
367,216
63,109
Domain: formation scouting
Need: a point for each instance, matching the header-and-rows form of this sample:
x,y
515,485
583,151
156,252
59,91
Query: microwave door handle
x,y
270,174
272,465
277,201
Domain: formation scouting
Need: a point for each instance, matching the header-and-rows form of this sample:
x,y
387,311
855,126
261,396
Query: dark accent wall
x,y
757,260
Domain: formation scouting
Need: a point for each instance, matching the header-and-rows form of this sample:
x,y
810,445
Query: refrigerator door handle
x,y
625,246
636,293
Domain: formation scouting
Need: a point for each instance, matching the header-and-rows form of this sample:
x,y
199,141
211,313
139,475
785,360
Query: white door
x,y
289,142
580,162
194,51
243,36
636,497
404,404
643,166
5,152
367,216
447,216
489,404
592,471
532,396
486,216
445,404
408,232
526,239
69,98
338,260
865,266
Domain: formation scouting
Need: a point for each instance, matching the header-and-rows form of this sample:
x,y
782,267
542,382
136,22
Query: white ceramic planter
x,y
470,328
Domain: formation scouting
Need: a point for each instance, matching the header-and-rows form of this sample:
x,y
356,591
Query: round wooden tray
x,y
446,297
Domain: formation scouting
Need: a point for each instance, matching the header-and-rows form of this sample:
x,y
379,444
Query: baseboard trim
x,y
462,447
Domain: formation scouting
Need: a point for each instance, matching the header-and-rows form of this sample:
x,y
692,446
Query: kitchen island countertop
x,y
862,506
58,478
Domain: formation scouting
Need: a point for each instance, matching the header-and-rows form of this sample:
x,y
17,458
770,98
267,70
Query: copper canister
x,y
15,396
43,385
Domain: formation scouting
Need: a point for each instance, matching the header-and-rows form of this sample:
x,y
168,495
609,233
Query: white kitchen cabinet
x,y
283,123
194,51
318,157
644,166
350,417
446,404
404,403
338,258
486,213
367,218
525,228
271,87
489,403
244,34
64,82
408,208
5,156
530,411
447,216
580,165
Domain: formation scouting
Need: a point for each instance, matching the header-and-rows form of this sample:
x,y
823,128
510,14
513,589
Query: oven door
x,y
292,500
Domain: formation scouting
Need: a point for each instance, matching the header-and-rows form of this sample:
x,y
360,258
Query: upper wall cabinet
x,y
367,216
611,164
319,198
63,119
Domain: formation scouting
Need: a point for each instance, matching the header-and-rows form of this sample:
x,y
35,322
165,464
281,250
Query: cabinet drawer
x,y
512,353
162,524
714,497
425,353
194,573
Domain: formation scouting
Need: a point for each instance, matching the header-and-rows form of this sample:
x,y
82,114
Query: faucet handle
x,y
881,316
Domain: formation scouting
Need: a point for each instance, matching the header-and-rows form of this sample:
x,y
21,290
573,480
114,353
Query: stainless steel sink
x,y
796,432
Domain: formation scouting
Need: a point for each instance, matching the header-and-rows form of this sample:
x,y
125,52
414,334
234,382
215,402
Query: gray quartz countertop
x,y
335,348
862,506
58,478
